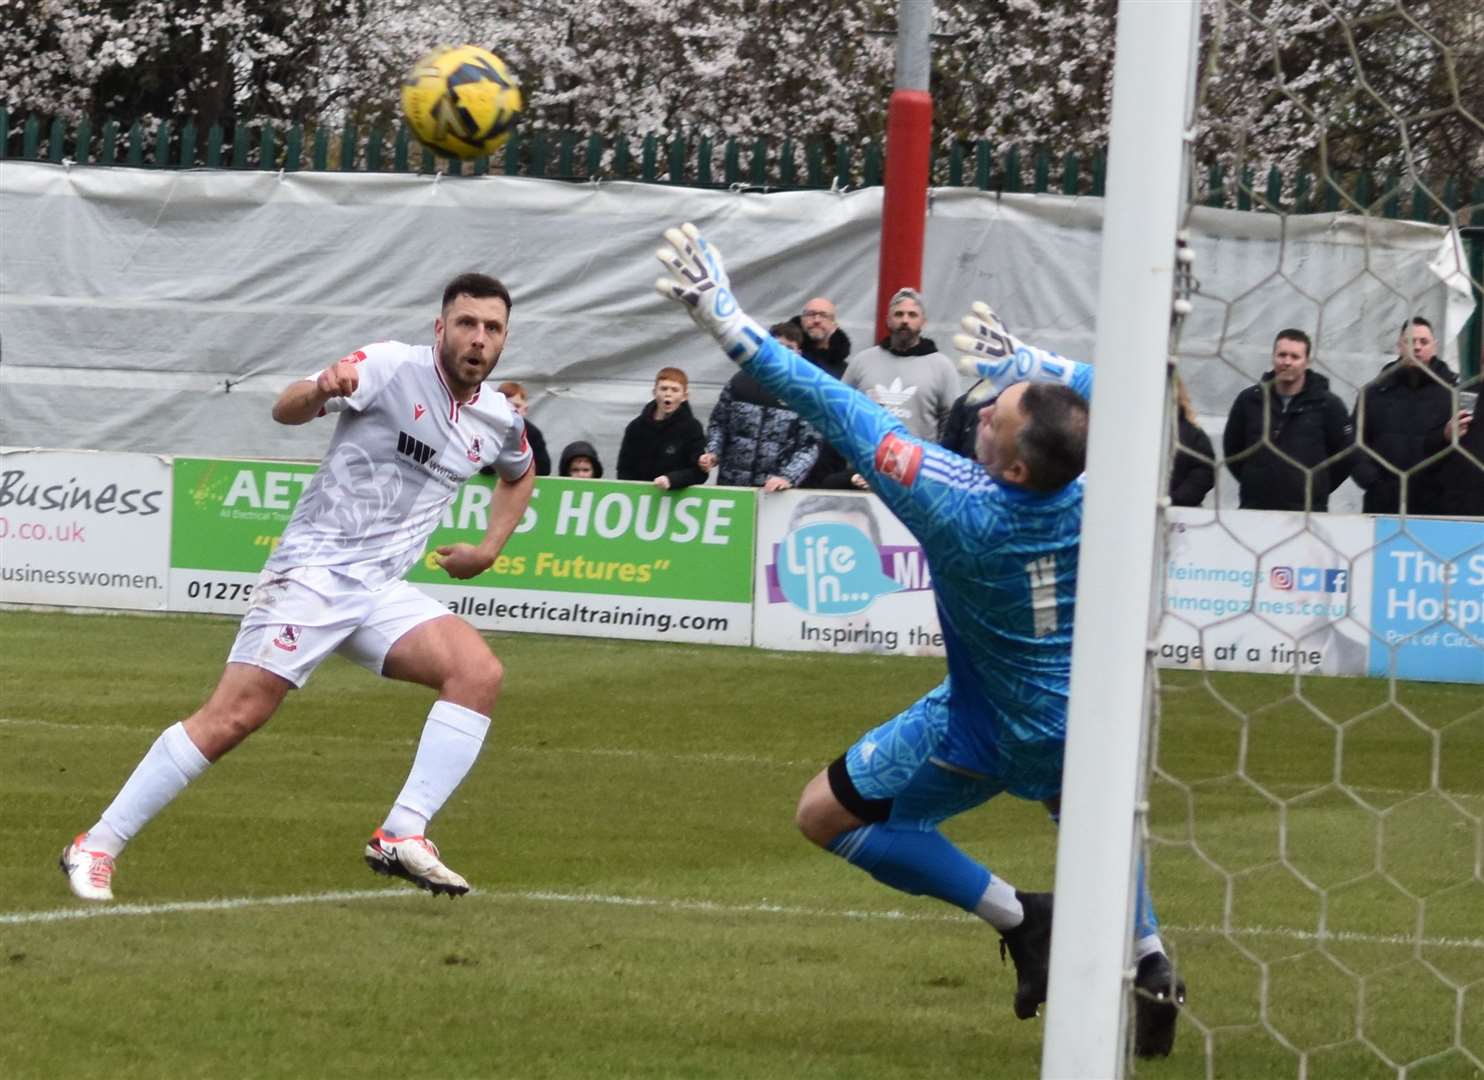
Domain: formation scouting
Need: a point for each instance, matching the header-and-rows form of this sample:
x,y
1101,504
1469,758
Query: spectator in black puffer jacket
x,y
1401,417
660,445
753,439
1193,472
1290,416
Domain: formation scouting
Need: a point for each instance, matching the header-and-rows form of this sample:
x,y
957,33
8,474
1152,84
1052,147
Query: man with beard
x,y
1404,419
414,424
906,374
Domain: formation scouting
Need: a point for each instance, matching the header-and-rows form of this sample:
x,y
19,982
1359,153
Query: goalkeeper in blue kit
x,y
1001,537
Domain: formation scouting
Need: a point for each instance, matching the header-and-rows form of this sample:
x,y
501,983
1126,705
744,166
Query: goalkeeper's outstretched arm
x,y
992,353
698,280
926,479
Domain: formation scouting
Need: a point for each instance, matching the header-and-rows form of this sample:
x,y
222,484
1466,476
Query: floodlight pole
x,y
1153,90
909,139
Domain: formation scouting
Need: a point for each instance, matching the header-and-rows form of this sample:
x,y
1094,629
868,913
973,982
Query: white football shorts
x,y
300,616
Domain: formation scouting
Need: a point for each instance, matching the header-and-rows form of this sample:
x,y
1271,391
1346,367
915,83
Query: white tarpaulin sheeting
x,y
161,311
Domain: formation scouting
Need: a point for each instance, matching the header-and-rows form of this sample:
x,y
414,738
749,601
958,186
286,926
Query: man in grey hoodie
x,y
906,374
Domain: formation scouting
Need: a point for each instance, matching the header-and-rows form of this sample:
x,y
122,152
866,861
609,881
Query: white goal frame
x,y
1103,787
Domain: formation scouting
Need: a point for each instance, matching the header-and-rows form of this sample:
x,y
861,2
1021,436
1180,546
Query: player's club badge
x,y
288,638
417,412
898,459
474,451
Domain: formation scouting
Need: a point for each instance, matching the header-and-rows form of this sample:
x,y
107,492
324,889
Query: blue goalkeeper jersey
x,y
1003,560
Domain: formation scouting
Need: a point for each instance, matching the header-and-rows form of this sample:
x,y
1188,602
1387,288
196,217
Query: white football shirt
x,y
402,448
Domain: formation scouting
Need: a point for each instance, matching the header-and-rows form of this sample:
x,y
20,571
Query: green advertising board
x,y
683,554
594,536
230,514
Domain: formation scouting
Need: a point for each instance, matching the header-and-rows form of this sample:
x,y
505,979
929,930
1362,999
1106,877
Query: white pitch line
x,y
708,907
235,903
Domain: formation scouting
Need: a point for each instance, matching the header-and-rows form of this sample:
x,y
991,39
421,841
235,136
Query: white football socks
x,y
171,763
446,752
999,906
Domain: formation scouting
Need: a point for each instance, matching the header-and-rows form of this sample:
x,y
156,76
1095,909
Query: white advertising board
x,y
837,572
1252,590
84,529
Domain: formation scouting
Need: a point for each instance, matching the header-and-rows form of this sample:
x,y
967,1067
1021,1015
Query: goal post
x,y
1153,91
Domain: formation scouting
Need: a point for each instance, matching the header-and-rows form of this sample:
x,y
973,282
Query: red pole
x,y
909,134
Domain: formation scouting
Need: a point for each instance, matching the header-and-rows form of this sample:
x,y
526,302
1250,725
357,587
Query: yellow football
x,y
462,101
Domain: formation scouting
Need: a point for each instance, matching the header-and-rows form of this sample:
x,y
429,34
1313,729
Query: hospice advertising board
x,y
589,558
837,572
1337,594
1427,600
84,529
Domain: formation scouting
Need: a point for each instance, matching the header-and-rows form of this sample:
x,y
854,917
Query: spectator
x,y
580,461
1463,472
906,374
661,444
1400,421
827,347
1193,473
1290,416
515,393
755,440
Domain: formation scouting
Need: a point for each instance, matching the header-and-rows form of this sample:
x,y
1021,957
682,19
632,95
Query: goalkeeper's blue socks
x,y
1146,926
927,864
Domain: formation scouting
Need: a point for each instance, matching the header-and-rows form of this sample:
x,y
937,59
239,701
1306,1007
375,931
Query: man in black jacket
x,y
662,444
1463,471
1287,437
1402,426
827,347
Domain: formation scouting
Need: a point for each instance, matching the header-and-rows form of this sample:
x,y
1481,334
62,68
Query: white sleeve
x,y
515,456
375,364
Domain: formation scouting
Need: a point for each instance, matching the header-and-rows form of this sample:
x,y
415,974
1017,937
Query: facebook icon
x,y
1337,581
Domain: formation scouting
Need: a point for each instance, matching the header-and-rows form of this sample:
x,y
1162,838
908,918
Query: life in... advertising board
x,y
837,572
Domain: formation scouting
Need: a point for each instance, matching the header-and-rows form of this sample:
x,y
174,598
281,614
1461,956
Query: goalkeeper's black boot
x,y
1158,995
1029,945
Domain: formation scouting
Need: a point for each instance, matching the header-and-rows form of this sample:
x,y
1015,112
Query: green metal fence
x,y
784,164
759,164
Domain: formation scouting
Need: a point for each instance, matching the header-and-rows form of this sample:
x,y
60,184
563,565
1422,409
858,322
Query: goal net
x,y
1311,802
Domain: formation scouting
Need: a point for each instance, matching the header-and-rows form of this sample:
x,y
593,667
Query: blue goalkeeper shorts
x,y
897,772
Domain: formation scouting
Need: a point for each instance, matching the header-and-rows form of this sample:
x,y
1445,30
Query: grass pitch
x,y
645,907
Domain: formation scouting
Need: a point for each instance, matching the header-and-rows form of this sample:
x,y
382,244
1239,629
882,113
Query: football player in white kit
x,y
414,424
